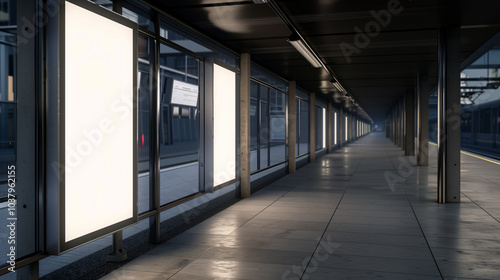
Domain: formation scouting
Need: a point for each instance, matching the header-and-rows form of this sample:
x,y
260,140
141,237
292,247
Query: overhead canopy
x,y
375,68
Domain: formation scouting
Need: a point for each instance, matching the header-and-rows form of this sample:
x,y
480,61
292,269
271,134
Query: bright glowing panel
x,y
324,127
346,129
224,125
335,128
98,122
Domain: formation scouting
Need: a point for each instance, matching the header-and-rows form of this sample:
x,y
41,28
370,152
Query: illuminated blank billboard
x,y
96,179
224,125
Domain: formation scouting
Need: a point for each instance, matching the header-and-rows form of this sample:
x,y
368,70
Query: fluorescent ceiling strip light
x,y
306,53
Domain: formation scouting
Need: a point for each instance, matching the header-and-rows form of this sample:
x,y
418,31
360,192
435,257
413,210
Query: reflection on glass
x,y
8,109
139,13
319,127
144,122
297,126
304,127
267,126
193,44
277,124
264,131
254,126
179,124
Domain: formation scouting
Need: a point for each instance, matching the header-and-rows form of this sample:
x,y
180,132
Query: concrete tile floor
x,y
362,212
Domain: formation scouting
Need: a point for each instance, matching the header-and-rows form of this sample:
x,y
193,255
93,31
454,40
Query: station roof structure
x,y
373,48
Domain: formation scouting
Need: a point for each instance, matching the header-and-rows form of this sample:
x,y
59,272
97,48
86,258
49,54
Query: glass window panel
x,y
302,94
268,78
108,4
8,12
304,127
297,127
179,124
254,125
319,127
139,13
264,132
485,122
498,121
203,48
277,126
144,122
8,112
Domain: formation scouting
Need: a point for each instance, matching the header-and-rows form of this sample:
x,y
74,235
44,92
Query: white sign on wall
x,y
184,94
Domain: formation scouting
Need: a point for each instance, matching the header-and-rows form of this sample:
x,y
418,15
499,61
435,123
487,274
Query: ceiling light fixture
x,y
337,85
298,44
259,1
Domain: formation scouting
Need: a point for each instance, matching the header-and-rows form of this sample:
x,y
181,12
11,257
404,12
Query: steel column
x,y
245,125
449,115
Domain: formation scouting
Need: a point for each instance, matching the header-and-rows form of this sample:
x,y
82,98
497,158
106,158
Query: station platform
x,y
362,212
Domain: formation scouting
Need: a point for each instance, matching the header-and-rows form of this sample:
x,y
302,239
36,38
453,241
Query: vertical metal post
x,y
27,149
410,123
292,133
399,136
118,253
208,124
245,125
154,145
422,121
449,115
312,127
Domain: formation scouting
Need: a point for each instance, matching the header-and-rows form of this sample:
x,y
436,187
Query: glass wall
x,y
179,124
267,126
8,108
301,123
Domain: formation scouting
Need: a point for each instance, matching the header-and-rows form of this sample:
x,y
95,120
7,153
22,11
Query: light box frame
x,y
55,111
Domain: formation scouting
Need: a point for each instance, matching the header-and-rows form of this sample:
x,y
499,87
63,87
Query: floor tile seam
x,y
330,221
383,271
425,238
380,244
480,207
420,226
240,226
388,258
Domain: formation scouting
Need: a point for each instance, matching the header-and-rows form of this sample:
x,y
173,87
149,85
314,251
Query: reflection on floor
x,y
362,212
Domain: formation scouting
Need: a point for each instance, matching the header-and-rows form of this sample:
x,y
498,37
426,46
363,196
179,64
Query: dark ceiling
x,y
377,73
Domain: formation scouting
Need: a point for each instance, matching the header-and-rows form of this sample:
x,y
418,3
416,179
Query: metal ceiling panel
x,y
402,39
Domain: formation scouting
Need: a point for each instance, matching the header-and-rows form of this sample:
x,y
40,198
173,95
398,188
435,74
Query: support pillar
x,y
245,62
312,127
292,133
341,128
422,120
329,128
449,114
410,124
400,134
